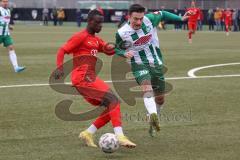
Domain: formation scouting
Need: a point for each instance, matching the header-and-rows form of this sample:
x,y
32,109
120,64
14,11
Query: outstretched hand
x,y
186,15
129,54
58,74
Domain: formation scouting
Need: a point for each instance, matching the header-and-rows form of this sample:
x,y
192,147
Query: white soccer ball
x,y
108,143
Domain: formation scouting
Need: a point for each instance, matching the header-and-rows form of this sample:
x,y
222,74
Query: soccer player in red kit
x,y
194,13
84,46
228,20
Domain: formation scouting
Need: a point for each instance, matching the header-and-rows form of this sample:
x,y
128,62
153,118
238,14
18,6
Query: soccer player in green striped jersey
x,y
5,37
137,40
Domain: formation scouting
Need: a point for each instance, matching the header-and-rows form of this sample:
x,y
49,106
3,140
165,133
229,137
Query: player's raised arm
x,y
106,48
159,16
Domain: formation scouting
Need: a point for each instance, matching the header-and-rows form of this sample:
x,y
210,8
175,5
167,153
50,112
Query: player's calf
x,y
13,59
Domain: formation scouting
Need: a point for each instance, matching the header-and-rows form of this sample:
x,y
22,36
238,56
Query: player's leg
x,y
92,95
113,105
190,32
227,27
143,78
8,43
100,94
158,86
87,135
194,28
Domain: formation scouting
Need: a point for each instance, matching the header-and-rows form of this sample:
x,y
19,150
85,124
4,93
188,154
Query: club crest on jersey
x,y
143,40
148,29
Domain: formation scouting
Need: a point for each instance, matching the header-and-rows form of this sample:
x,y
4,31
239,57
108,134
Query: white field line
x,y
191,73
171,78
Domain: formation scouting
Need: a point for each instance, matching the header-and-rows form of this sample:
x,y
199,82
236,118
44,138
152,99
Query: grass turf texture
x,y
200,119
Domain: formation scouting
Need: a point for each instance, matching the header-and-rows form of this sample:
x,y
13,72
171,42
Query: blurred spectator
x,y
177,24
217,18
227,16
239,19
55,16
79,17
162,24
235,20
210,19
11,18
61,16
45,17
200,20
185,26
222,20
11,7
124,19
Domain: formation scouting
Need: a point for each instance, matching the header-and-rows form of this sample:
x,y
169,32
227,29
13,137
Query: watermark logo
x,y
84,70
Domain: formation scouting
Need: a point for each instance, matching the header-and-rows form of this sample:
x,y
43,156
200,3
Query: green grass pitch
x,y
201,117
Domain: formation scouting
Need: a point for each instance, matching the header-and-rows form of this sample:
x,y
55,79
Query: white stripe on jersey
x,y
5,16
158,59
125,33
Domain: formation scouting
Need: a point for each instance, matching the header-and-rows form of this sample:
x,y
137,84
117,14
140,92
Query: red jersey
x,y
195,14
227,16
80,44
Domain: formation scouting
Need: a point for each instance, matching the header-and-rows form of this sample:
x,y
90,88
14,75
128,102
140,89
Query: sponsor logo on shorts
x,y
142,72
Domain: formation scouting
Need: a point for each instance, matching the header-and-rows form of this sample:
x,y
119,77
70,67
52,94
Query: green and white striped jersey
x,y
5,15
143,42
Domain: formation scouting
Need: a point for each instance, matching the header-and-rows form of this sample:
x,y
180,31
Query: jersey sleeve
x,y
199,12
119,50
159,16
103,47
102,43
73,43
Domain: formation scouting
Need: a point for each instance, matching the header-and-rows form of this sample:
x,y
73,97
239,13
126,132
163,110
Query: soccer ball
x,y
108,143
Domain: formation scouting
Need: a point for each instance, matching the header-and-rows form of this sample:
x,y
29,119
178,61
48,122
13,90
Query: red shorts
x,y
192,26
93,89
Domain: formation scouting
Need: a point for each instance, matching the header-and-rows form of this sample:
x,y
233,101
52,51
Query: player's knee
x,y
10,48
147,89
159,100
146,86
110,99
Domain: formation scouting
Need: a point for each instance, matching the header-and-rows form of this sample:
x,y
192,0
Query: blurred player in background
x,y
141,48
227,20
192,20
84,46
5,37
124,19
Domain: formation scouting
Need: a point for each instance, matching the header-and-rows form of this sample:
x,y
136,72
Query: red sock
x,y
103,119
189,35
114,115
226,28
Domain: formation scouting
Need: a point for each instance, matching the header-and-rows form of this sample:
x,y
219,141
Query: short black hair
x,y
136,8
93,13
